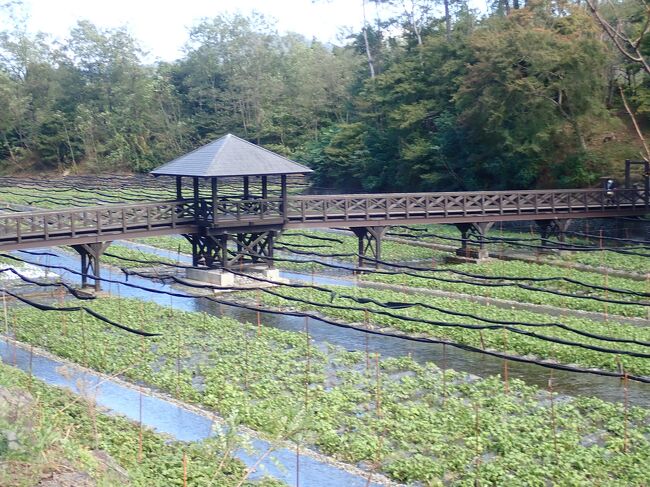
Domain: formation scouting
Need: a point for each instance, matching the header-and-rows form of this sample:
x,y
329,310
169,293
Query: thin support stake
x,y
4,308
83,338
625,413
477,434
505,362
184,469
553,419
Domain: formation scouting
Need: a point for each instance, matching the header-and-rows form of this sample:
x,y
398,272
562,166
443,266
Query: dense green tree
x,y
427,95
533,89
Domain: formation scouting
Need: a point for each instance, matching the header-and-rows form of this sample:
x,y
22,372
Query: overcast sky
x,y
161,26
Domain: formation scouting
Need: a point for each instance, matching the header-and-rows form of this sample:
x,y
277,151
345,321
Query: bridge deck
x,y
113,222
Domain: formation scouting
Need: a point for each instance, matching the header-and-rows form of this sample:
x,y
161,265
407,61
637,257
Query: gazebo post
x,y
179,188
283,194
195,180
214,199
264,187
246,188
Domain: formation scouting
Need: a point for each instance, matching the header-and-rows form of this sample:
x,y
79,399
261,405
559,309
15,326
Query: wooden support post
x,y
246,187
195,251
179,188
562,227
195,184
464,236
370,239
265,191
283,195
480,231
215,199
90,261
553,228
544,227
84,269
223,250
270,245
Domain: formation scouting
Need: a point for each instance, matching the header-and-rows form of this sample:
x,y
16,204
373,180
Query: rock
x,y
13,401
15,405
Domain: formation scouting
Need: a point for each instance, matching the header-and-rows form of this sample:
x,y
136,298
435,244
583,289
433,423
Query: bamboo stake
x,y
259,316
505,362
553,419
477,433
367,339
625,412
184,469
142,361
444,373
31,357
83,338
602,264
308,368
140,425
13,324
246,361
377,386
4,308
647,289
178,363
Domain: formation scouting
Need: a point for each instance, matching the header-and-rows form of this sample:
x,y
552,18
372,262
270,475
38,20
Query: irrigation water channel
x,y
183,424
606,388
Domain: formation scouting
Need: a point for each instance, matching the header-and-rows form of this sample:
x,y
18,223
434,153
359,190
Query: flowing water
x,y
181,423
606,388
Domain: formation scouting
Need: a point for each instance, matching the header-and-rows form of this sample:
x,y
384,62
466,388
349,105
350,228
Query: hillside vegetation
x,y
529,94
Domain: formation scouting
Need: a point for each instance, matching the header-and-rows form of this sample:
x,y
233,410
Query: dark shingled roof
x,y
230,156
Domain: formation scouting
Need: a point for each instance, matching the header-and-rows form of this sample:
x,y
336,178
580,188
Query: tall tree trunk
x,y
371,64
447,21
411,16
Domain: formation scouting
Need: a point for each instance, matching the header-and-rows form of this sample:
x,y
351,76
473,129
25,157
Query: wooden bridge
x,y
31,229
228,231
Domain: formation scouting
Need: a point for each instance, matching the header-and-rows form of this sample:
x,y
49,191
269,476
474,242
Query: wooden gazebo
x,y
232,158
250,220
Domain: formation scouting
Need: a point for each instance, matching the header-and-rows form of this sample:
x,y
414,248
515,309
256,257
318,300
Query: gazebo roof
x,y
230,156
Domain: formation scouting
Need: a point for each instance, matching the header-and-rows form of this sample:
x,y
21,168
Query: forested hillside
x,y
439,97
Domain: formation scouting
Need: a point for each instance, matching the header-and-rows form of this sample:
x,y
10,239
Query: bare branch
x,y
624,44
646,156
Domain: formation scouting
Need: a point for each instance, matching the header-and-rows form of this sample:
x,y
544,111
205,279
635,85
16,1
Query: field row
x,y
413,422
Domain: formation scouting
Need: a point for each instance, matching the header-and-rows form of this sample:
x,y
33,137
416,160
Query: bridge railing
x,y
99,220
432,205
230,211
